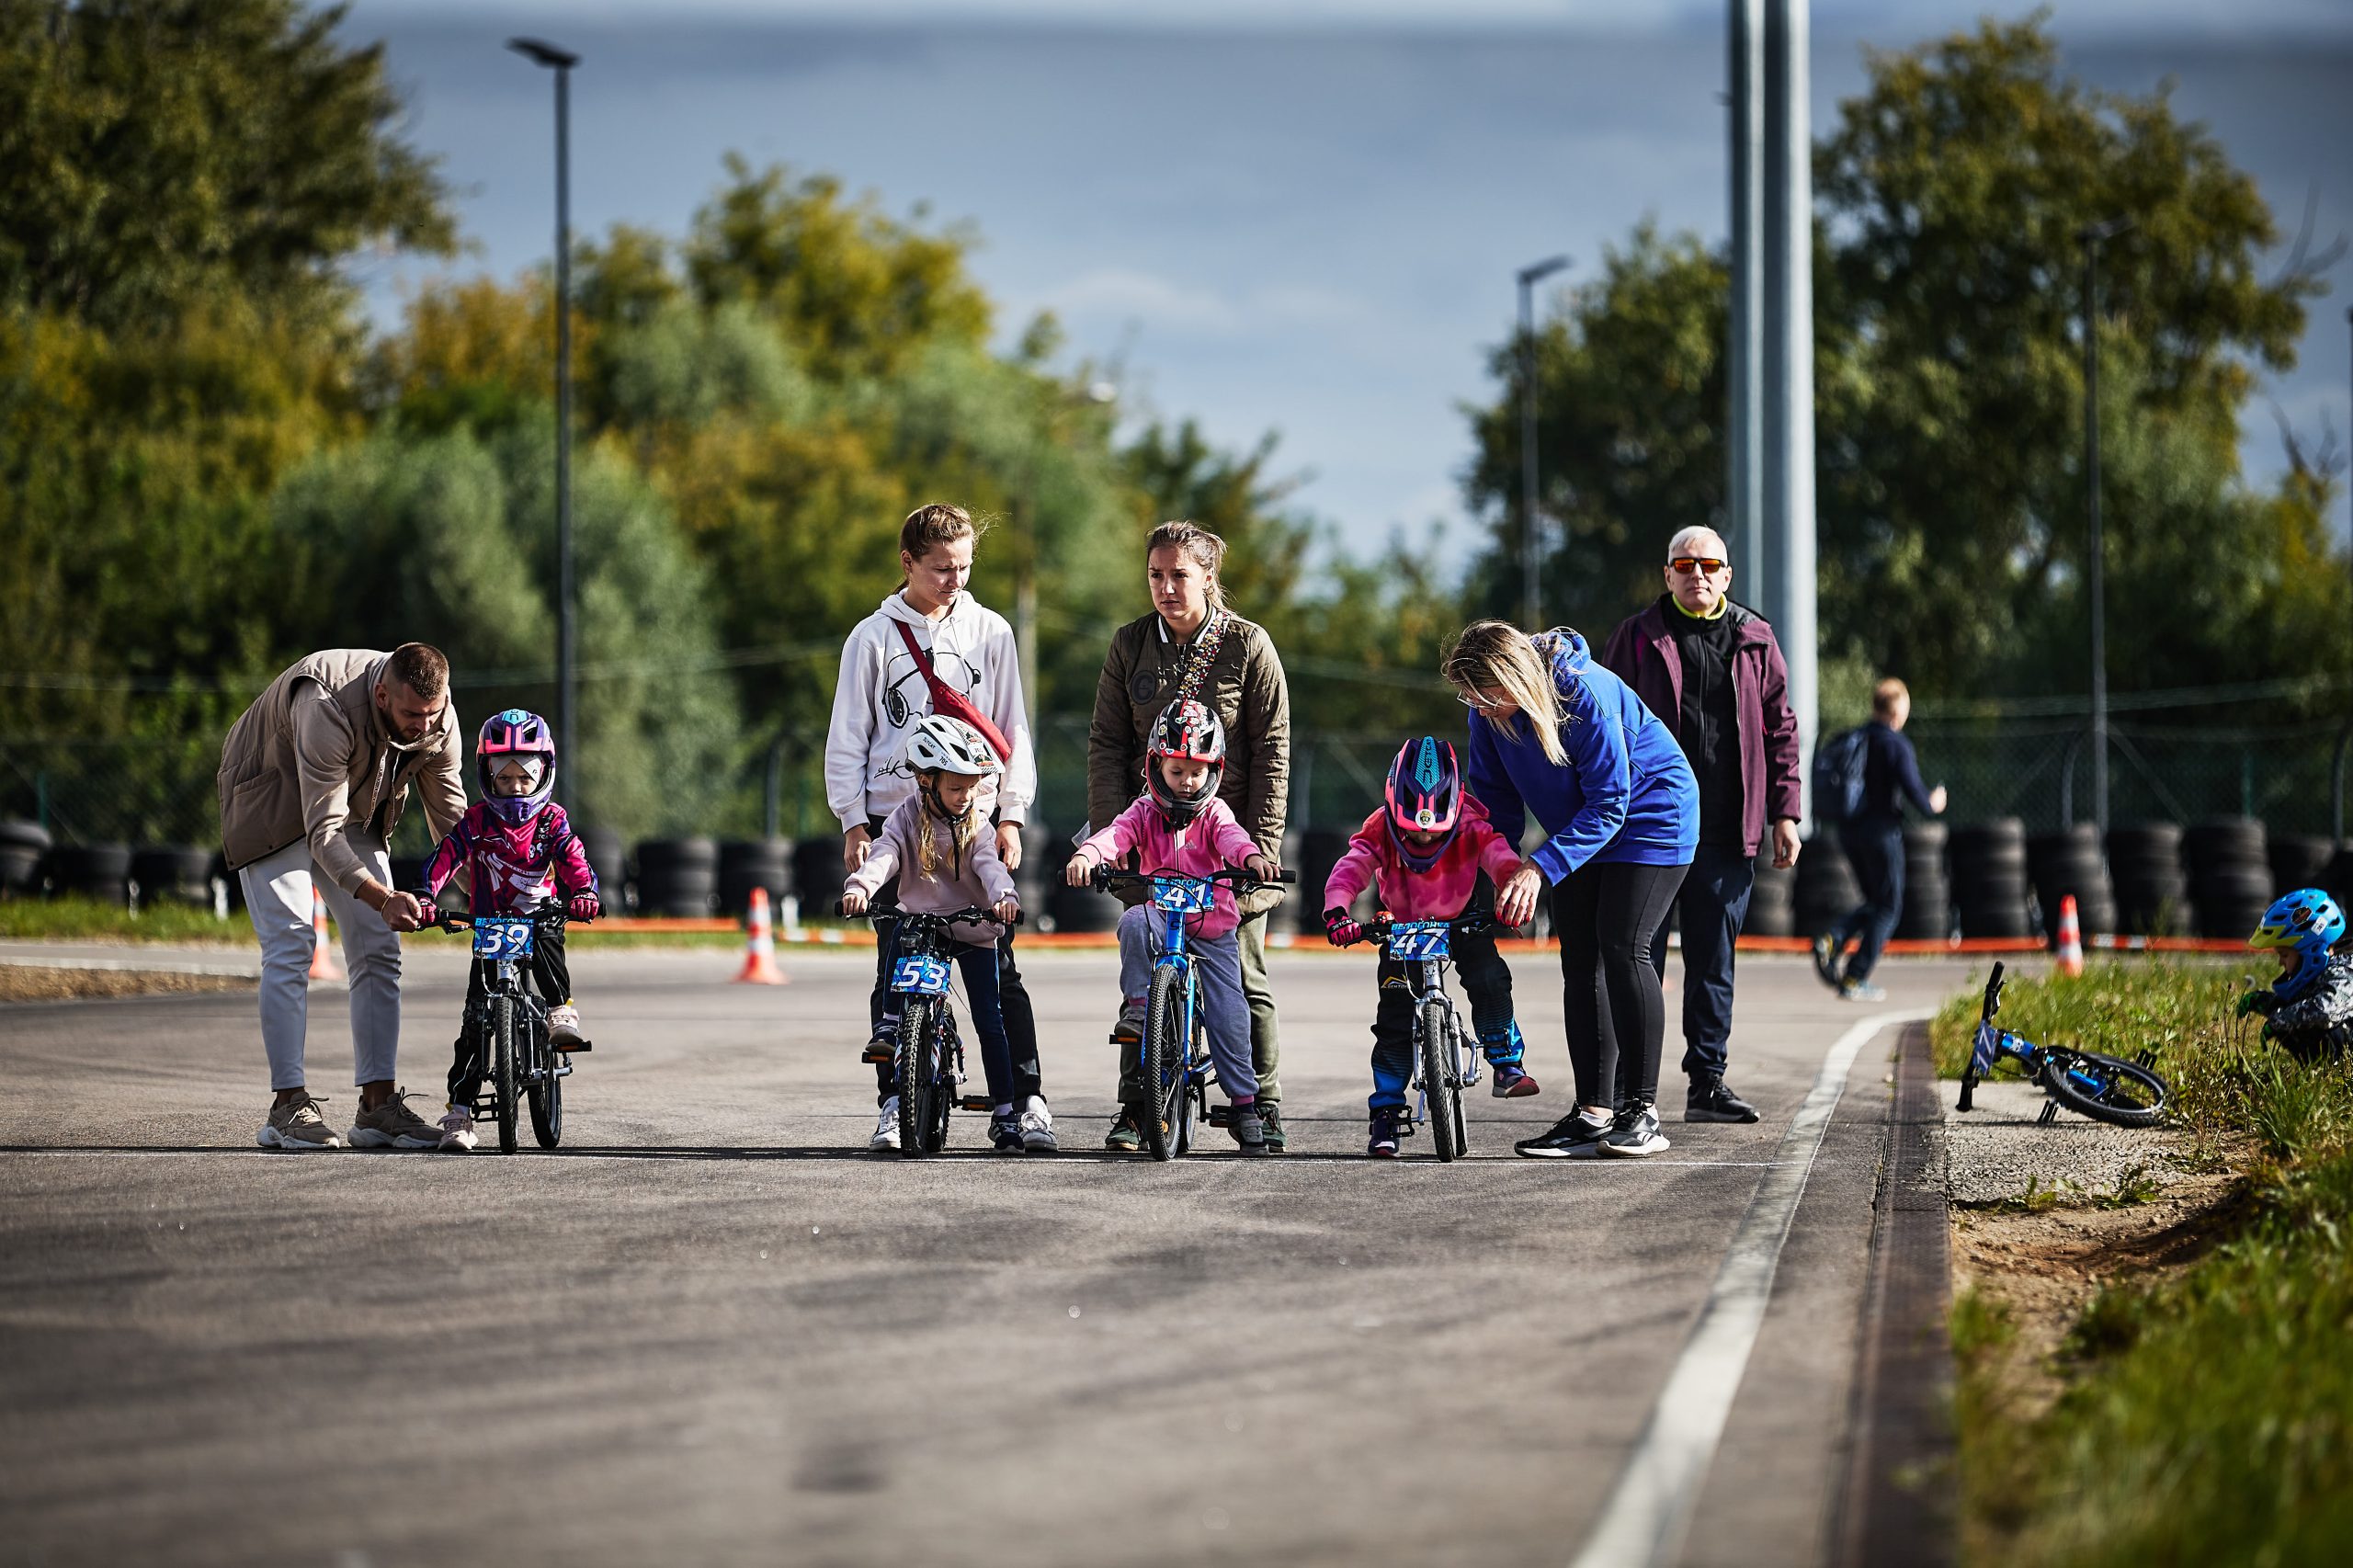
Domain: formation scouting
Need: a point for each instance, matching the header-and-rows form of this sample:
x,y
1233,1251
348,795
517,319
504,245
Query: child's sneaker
x,y
886,1129
883,1049
1129,1030
1511,1083
1380,1143
458,1132
1825,961
1860,991
1036,1126
1248,1131
1125,1137
1005,1134
564,1028
1271,1119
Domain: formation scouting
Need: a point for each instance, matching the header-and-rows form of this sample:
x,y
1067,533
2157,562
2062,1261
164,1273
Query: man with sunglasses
x,y
1714,672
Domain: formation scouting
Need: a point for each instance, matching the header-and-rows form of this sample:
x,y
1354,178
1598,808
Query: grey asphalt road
x,y
711,1329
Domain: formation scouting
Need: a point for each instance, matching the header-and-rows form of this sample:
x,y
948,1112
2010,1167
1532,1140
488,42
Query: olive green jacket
x,y
1246,689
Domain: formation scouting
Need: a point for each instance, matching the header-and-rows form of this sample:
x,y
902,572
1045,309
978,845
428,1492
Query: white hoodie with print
x,y
882,693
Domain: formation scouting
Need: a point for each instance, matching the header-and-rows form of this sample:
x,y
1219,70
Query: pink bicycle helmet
x,y
1424,795
504,736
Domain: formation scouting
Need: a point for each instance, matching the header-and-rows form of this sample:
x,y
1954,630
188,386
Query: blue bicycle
x,y
1176,1071
930,1053
1445,1058
2106,1088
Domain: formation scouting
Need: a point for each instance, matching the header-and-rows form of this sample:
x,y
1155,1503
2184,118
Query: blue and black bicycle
x,y
930,1053
509,1027
1445,1058
1176,1071
2106,1088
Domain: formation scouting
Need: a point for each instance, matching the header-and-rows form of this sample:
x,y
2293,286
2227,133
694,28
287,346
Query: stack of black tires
x,y
746,864
2151,890
2298,860
24,852
609,857
1312,853
1069,908
2229,875
2071,864
1826,891
1772,901
1989,877
1926,916
677,878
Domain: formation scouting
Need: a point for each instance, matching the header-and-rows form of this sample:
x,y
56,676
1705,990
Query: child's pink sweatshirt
x,y
1439,893
1212,841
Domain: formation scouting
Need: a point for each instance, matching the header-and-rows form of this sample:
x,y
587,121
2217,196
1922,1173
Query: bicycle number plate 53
x,y
1183,898
919,976
503,938
1417,940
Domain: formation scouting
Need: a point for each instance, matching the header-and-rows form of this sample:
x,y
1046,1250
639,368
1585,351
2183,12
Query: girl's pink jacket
x,y
1439,893
514,869
1212,841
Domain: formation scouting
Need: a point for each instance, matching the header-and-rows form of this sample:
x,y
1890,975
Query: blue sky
x,y
1292,215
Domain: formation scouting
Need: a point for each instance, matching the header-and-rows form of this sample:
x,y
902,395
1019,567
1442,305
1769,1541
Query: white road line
x,y
1644,1519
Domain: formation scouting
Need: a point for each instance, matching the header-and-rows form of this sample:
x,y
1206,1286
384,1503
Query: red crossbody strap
x,y
949,702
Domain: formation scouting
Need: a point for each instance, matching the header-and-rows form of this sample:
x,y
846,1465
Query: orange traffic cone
x,y
2071,937
323,959
759,956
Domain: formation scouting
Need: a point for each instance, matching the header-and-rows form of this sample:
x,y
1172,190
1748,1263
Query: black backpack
x,y
1838,776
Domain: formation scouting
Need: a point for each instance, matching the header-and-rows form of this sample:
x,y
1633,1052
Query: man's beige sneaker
x,y
393,1126
297,1126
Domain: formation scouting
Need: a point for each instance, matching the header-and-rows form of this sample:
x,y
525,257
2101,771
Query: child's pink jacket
x,y
1439,893
1212,841
515,870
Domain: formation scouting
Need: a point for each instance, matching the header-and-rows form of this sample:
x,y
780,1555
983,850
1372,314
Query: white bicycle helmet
x,y
950,746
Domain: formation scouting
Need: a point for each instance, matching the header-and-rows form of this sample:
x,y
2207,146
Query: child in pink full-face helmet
x,y
520,856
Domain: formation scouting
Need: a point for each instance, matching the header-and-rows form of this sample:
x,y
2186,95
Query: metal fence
x,y
110,790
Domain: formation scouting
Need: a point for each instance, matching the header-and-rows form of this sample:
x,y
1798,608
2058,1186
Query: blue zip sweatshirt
x,y
1627,795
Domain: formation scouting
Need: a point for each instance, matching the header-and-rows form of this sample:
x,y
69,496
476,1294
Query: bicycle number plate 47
x,y
1417,940
919,976
503,938
1183,898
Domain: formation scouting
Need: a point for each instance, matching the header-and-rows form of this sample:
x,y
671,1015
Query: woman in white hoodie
x,y
931,647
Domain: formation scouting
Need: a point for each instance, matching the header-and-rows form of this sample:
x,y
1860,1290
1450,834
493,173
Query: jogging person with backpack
x,y
1861,780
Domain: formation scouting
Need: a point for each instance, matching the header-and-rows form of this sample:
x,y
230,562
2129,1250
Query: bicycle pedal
x,y
882,1056
1221,1115
975,1102
576,1048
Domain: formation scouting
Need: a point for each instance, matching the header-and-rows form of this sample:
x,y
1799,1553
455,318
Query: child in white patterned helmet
x,y
938,847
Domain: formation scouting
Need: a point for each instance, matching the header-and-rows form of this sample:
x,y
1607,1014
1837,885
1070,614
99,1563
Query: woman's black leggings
x,y
1617,1018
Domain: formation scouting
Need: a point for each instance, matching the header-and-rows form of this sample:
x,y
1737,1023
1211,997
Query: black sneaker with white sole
x,y
1576,1136
1634,1131
1711,1099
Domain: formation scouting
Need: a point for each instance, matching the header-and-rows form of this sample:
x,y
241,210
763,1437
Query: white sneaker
x,y
1036,1125
564,1027
458,1132
886,1129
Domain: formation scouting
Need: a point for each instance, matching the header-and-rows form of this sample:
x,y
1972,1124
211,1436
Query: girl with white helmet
x,y
938,844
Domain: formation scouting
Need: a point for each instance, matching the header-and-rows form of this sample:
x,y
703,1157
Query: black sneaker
x,y
1576,1136
1825,961
1005,1134
1634,1131
1381,1139
1711,1099
1270,1124
1125,1137
883,1048
1248,1131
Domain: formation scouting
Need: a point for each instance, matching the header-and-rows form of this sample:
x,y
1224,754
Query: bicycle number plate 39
x,y
919,976
503,938
1182,898
1411,941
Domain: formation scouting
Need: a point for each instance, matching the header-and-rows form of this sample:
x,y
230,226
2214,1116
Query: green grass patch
x,y
2206,1417
77,918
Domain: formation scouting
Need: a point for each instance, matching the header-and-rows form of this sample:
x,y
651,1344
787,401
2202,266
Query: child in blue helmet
x,y
2309,1008
1422,853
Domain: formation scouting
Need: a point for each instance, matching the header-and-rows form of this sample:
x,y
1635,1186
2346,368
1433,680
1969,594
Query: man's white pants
x,y
278,896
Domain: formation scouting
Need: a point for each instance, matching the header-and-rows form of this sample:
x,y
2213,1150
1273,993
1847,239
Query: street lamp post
x,y
1530,563
561,62
2091,236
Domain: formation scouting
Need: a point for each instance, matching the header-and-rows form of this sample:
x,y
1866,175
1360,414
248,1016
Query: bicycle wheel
x,y
546,1096
1164,1062
919,1087
502,1068
1465,1055
2106,1088
946,1054
1441,1088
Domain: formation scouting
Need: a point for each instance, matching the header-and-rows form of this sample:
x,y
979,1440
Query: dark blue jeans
x,y
1876,851
984,1010
1714,903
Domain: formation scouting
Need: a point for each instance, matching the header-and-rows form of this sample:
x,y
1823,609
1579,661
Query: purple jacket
x,y
1642,654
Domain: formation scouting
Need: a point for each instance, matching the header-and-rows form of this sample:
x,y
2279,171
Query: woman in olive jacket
x,y
1153,661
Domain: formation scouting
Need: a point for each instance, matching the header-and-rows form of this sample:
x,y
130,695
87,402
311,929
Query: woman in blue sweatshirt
x,y
1555,733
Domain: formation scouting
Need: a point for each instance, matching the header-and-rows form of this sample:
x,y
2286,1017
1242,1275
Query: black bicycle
x,y
929,1058
508,1028
2106,1088
1446,1060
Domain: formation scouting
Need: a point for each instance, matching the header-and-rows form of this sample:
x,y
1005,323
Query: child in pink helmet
x,y
520,856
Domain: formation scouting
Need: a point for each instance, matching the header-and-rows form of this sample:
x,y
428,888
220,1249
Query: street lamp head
x,y
1538,271
544,53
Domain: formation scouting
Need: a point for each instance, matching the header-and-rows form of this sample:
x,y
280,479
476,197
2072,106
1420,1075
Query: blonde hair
x,y
1495,655
930,863
1887,694
1196,544
935,523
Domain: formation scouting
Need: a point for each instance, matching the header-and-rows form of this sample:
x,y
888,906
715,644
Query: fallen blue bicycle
x,y
2106,1088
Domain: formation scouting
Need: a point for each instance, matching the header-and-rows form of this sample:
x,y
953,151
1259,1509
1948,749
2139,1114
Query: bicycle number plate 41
x,y
503,938
919,976
1183,898
1413,941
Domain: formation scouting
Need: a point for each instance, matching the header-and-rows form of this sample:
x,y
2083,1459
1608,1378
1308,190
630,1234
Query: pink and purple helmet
x,y
506,735
1425,796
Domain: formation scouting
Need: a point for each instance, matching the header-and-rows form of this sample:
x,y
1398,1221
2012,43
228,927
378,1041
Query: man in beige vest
x,y
313,779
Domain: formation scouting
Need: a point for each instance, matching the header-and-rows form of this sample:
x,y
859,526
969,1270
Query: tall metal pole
x,y
1531,561
1788,428
561,62
1744,350
2096,546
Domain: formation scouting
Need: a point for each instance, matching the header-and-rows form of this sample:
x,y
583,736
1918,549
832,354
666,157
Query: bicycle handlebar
x,y
1377,928
554,914
1106,878
970,914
